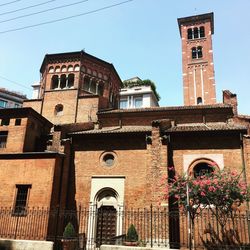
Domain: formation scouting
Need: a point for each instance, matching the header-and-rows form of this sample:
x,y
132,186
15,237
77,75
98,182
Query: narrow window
x,y
199,52
93,87
194,53
21,199
18,122
138,102
196,32
190,34
3,139
202,31
199,100
5,122
63,84
58,110
54,82
17,105
71,79
123,104
3,104
86,84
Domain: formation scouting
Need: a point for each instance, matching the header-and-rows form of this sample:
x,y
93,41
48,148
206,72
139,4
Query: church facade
x,y
73,147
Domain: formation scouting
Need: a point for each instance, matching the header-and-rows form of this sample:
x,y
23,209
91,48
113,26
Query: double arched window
x,y
195,33
197,52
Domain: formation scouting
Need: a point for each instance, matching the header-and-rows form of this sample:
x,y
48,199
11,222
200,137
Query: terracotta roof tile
x,y
205,127
214,106
115,130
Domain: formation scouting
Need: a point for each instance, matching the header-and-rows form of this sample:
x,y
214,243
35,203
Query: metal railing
x,y
155,227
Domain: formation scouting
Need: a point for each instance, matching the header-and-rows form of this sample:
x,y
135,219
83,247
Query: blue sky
x,y
141,38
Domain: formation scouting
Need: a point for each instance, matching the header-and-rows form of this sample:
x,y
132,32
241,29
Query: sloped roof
x,y
115,130
170,108
218,126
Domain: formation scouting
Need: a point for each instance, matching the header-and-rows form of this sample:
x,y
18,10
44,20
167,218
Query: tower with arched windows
x,y
197,59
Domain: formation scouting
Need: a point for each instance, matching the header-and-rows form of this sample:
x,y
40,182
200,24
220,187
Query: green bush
x,y
69,231
132,234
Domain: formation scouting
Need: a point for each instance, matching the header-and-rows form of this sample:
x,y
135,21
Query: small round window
x,y
108,159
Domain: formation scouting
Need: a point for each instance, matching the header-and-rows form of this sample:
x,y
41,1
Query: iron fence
x,y
155,226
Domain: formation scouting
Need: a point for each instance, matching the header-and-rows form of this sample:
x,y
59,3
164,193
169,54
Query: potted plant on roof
x,y
69,241
131,237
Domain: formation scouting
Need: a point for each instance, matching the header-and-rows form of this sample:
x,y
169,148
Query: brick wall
x,y
39,173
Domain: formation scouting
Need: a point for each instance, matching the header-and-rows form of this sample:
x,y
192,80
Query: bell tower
x,y
197,59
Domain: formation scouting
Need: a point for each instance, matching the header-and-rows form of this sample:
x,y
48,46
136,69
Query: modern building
x,y
11,99
73,147
137,96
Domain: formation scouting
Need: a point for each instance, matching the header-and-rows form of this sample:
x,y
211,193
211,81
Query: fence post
x,y
17,222
151,225
56,224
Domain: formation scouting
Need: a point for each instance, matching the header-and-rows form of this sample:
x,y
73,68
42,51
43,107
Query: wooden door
x,y
106,225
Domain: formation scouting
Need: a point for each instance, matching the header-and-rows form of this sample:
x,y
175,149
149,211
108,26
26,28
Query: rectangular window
x,y
3,139
18,122
16,105
5,122
138,102
22,193
3,104
123,104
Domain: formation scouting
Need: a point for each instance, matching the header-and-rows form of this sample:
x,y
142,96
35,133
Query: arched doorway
x,y
106,223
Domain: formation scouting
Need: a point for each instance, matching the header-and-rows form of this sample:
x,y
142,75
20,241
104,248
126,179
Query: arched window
x,y
76,67
57,69
64,68
71,79
196,32
93,86
194,53
83,69
202,168
58,110
54,82
202,31
199,100
199,52
86,84
63,80
189,34
51,69
70,68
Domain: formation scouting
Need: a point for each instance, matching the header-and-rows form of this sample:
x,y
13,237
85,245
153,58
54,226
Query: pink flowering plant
x,y
222,192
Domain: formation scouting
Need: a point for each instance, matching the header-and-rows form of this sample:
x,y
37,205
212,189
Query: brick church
x,y
73,146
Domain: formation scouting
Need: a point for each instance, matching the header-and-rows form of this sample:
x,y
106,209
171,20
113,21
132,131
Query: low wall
x,y
114,247
8,244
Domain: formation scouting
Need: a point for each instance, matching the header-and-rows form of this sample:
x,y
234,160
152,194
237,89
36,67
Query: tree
x,y
221,192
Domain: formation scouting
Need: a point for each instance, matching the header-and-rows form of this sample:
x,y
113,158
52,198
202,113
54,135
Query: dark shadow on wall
x,y
6,245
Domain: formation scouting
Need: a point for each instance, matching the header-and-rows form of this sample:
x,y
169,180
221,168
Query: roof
x,y
13,93
77,54
115,130
173,108
192,19
219,126
23,112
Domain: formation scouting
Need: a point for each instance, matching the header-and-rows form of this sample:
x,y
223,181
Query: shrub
x,y
132,234
69,231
